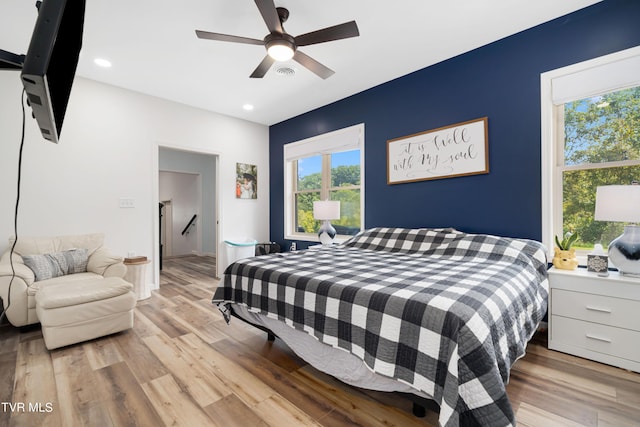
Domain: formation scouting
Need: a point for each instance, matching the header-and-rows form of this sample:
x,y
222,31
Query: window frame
x,y
579,77
346,139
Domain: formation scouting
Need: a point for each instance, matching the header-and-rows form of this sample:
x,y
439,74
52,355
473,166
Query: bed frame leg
x,y
419,410
270,337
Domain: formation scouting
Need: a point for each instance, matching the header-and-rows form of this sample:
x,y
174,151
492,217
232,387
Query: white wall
x,y
109,150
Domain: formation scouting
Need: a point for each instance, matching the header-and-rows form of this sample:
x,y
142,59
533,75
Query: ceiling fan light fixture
x,y
280,52
280,47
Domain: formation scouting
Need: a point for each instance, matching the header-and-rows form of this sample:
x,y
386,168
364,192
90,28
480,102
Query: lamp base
x,y
624,251
326,233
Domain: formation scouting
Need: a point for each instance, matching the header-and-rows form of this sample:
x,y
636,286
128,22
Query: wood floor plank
x,y
239,381
238,330
193,269
103,352
157,301
616,419
194,293
197,321
172,289
174,405
230,411
7,378
540,353
162,320
277,411
124,397
206,304
543,393
35,384
8,339
279,379
530,416
304,395
143,326
80,402
144,365
205,307
600,389
194,374
276,352
628,396
356,405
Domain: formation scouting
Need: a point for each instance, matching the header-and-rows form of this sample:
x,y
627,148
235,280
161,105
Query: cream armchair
x,y
22,310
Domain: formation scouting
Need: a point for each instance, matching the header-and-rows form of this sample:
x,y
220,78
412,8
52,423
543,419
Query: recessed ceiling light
x,y
247,107
102,62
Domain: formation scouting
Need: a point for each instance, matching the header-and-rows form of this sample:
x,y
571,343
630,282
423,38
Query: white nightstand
x,y
595,317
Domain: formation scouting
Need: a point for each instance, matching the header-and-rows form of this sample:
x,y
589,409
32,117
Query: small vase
x,y
565,260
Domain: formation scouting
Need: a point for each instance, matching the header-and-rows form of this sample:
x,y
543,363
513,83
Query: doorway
x,y
188,201
182,196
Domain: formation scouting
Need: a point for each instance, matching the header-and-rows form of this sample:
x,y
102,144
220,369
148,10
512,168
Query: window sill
x,y
314,238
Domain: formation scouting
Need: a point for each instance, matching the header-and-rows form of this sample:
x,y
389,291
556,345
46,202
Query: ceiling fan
x,y
281,46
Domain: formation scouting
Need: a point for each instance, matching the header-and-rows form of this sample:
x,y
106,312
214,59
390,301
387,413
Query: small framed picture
x,y
597,263
246,181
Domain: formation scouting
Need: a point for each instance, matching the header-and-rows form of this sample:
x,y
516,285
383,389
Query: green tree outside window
x,y
602,147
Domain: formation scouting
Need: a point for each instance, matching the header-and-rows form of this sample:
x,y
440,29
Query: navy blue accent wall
x,y
501,81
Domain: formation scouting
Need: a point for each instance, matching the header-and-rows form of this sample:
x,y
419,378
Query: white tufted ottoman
x,y
78,311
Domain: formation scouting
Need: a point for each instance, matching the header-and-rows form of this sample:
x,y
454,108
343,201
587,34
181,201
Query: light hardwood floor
x,y
183,365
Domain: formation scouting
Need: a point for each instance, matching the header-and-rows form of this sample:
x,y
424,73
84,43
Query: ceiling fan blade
x,y
227,38
337,32
262,69
313,65
270,15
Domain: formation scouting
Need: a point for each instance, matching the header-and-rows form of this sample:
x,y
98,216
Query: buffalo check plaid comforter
x,y
443,311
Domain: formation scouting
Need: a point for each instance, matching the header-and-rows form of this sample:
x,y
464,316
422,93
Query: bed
x,y
438,313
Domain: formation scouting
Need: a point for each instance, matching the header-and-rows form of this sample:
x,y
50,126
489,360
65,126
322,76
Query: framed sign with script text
x,y
456,150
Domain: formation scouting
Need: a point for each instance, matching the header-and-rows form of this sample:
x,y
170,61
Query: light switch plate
x,y
127,202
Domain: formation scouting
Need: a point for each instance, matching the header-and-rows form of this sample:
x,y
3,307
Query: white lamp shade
x,y
618,203
326,210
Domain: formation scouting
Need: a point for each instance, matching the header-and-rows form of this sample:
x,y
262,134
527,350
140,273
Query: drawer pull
x,y
593,337
601,310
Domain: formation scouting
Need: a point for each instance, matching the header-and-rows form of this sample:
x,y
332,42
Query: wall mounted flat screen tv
x,y
50,63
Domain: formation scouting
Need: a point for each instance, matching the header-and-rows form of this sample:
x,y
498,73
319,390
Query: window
x,y
590,137
326,167
601,147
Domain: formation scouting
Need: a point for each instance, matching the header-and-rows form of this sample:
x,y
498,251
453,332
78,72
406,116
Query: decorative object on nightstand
x,y
325,211
597,261
564,256
622,203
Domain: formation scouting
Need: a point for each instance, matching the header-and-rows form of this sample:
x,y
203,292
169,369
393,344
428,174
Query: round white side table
x,y
137,276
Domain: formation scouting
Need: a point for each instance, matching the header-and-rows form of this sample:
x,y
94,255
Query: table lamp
x,y
622,203
325,211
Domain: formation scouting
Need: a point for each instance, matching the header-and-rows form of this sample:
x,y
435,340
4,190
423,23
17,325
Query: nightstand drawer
x,y
601,309
617,342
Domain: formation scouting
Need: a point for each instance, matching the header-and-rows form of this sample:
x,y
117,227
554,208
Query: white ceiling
x,y
154,49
